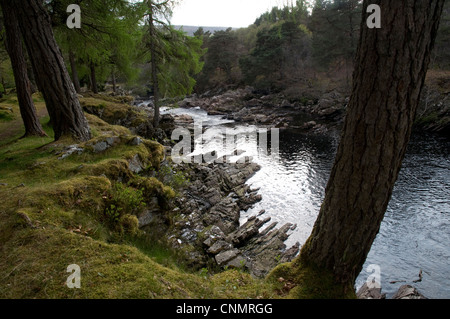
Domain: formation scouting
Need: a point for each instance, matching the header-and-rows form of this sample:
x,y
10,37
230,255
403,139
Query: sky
x,y
221,13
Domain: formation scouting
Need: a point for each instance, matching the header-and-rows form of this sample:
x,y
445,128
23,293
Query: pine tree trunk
x,y
389,74
73,67
52,77
4,85
93,78
113,77
155,91
15,50
154,62
31,75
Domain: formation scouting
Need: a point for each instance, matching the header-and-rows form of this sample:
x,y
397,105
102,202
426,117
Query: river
x,y
415,233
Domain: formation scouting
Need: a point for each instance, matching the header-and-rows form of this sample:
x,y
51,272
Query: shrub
x,y
123,200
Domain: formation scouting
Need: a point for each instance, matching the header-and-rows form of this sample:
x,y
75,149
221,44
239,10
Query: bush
x,y
122,201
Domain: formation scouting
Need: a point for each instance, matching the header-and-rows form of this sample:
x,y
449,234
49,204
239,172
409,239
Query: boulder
x,y
226,256
135,164
218,247
408,292
365,292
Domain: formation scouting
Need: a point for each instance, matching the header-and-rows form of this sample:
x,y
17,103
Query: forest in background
x,y
301,49
127,48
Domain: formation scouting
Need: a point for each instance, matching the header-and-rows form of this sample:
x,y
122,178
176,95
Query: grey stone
x,y
112,140
226,256
136,141
238,262
135,165
369,293
146,219
100,147
70,150
408,292
218,247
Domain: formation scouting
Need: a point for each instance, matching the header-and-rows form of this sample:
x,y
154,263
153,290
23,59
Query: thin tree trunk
x,y
113,76
155,92
93,78
389,74
52,77
73,67
14,47
3,84
154,62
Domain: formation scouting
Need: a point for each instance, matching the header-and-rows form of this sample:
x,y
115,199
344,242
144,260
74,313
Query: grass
x,y
52,215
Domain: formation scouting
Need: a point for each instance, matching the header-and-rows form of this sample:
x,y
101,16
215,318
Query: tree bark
x,y
73,68
15,51
52,77
154,62
93,78
390,70
113,77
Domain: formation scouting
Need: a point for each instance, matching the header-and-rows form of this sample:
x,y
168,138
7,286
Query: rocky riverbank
x,y
203,222
319,114
273,110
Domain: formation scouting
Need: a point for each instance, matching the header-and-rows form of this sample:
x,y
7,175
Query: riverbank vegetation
x,y
80,164
61,208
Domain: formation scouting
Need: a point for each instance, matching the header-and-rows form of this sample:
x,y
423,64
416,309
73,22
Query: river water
x,y
415,233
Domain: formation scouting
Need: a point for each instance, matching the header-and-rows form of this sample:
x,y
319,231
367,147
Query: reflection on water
x,y
415,232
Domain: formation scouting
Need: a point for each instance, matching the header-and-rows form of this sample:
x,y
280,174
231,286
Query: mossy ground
x,y
302,281
52,215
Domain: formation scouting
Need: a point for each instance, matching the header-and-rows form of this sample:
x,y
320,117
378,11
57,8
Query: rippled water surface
x,y
415,233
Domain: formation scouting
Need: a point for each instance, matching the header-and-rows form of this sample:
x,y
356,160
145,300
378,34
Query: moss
x,y
51,216
112,110
168,192
81,193
234,282
129,224
104,128
6,115
300,280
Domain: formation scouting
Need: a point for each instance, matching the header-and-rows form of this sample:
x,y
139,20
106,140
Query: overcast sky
x,y
221,13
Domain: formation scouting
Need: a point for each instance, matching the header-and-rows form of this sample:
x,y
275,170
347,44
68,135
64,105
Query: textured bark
x,y
390,70
154,63
52,77
113,78
93,78
73,67
15,50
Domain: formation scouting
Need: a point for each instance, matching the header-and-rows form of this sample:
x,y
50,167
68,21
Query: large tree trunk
x,y
23,86
52,77
390,70
73,67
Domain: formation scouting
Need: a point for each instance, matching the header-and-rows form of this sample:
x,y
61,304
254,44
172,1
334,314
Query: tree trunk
x,y
154,62
113,77
52,77
3,85
93,78
73,67
390,70
14,47
31,75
